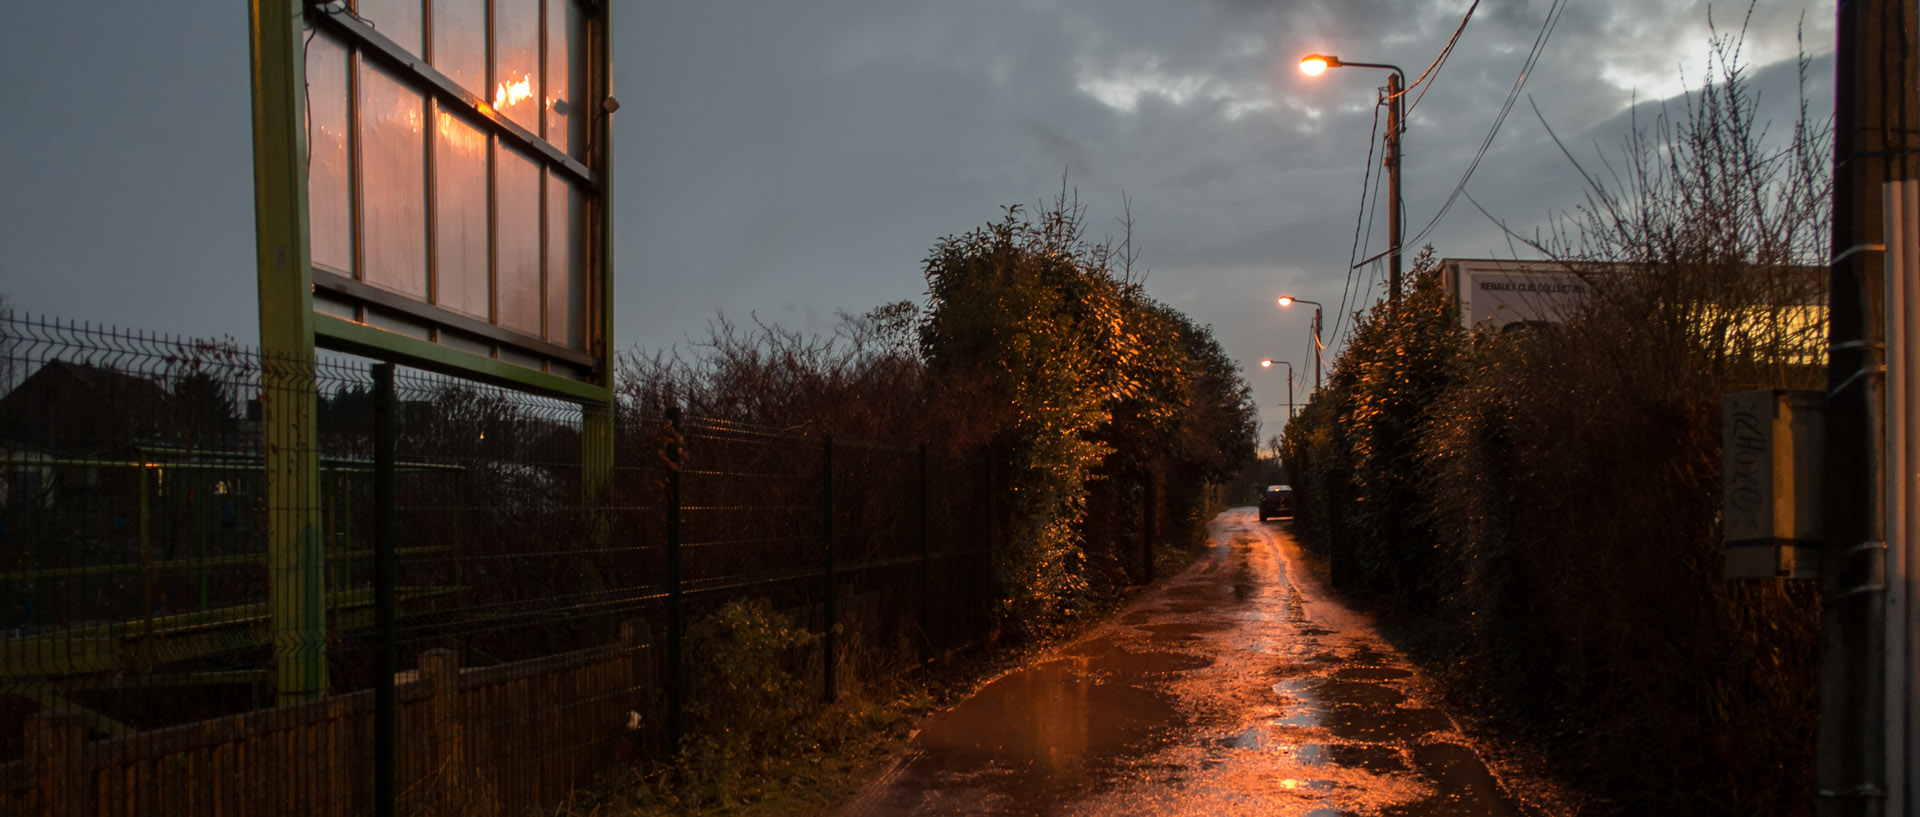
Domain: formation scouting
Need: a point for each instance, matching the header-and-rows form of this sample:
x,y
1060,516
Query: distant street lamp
x,y
1289,300
1268,364
1314,65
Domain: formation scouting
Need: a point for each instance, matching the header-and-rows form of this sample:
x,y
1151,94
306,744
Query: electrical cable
x,y
1438,61
1360,217
1519,82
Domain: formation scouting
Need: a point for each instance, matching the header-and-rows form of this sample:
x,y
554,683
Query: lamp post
x,y
1289,300
1268,364
1315,64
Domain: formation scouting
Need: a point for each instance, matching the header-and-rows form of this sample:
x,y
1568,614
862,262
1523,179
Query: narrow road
x,y
1238,688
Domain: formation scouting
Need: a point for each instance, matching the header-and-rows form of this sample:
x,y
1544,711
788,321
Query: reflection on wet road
x,y
1239,688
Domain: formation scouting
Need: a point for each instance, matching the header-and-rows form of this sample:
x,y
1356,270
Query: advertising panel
x,y
1496,294
456,200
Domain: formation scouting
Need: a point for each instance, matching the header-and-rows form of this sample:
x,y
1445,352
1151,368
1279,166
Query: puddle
x,y
1462,784
1359,693
1381,760
1397,723
1371,673
1185,630
1052,717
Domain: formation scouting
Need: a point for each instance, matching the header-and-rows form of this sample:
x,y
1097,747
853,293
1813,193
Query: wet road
x,y
1239,688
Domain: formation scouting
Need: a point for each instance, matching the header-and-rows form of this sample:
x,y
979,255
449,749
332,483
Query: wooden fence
x,y
471,741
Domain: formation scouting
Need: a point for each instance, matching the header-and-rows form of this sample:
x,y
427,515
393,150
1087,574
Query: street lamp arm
x,y
1338,63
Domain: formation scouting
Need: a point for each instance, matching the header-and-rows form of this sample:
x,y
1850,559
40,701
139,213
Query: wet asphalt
x,y
1240,687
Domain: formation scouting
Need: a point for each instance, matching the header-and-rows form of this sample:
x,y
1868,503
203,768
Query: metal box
x,y
1772,448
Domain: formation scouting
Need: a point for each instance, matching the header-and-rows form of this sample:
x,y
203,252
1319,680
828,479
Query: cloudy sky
x,y
791,160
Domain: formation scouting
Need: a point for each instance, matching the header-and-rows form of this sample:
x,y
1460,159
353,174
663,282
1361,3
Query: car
x,y
1276,502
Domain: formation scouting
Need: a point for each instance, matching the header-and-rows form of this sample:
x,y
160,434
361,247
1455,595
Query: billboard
x,y
1493,294
456,185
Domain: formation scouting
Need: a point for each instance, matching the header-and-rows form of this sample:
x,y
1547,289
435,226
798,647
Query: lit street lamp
x,y
1314,65
1268,364
1289,300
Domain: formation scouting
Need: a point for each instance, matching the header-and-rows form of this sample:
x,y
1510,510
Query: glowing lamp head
x,y
1266,364
1286,300
1314,65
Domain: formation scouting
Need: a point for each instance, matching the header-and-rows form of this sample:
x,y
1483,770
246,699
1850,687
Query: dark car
x,y
1276,502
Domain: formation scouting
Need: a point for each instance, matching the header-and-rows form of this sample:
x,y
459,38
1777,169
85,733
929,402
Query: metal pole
x,y
826,540
385,578
676,599
1289,394
1316,348
1394,113
296,590
1874,140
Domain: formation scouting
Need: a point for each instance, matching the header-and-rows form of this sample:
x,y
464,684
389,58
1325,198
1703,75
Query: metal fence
x,y
542,609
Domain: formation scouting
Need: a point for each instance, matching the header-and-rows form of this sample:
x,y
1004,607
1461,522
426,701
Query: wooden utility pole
x,y
1874,135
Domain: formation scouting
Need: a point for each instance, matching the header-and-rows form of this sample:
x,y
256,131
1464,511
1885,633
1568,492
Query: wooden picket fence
x,y
471,741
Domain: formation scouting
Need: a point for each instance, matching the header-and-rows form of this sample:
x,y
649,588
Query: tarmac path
x,y
1240,687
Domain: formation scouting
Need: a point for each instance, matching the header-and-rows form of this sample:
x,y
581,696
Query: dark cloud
x,y
793,160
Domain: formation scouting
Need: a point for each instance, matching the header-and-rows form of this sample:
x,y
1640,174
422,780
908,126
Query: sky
x,y
791,161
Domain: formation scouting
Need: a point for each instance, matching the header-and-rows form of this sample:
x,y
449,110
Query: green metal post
x,y
296,595
146,550
826,540
676,601
200,539
386,578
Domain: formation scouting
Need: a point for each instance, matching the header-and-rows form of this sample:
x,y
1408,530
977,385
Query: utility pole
x,y
1396,110
1317,349
1863,758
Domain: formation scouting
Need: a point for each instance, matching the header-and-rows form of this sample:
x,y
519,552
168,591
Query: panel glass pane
x,y
460,216
516,61
460,42
567,118
397,20
393,182
517,231
329,187
566,264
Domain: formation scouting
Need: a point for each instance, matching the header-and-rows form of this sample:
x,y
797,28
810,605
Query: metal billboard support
x,y
295,562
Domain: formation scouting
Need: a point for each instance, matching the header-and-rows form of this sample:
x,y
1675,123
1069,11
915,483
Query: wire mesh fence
x,y
193,612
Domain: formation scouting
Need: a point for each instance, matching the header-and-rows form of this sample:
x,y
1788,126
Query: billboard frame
x,y
291,329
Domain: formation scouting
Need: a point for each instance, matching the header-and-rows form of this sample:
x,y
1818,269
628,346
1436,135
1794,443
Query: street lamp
x,y
1314,65
1268,364
1289,300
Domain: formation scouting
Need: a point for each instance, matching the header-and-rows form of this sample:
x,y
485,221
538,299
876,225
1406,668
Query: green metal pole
x,y
146,552
386,575
200,538
676,600
826,539
296,595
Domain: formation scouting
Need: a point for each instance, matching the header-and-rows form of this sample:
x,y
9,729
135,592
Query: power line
x,y
1519,82
1367,181
1440,60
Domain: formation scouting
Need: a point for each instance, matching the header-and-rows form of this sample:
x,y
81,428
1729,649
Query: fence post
x,y
54,741
826,538
385,577
926,557
446,758
676,610
676,614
